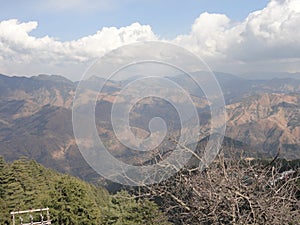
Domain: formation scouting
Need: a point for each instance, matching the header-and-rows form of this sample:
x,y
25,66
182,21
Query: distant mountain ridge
x,y
267,122
269,75
36,118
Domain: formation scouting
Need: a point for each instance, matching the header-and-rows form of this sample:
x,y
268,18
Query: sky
x,y
65,37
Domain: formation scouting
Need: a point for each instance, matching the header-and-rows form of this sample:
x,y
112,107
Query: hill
x,y
26,184
36,118
267,122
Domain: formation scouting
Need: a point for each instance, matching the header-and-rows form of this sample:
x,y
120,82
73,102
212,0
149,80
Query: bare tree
x,y
230,191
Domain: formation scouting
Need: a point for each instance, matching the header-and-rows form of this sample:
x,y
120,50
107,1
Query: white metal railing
x,y
41,222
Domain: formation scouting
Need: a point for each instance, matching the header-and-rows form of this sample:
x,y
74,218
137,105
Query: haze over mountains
x,y
36,118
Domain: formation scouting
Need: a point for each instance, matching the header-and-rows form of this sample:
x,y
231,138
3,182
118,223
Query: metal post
x,y
48,216
42,218
31,219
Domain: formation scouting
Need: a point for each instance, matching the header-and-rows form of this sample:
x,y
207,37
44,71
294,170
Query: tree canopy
x,y
26,185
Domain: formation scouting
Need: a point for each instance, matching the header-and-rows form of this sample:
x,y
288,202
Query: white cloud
x,y
270,35
22,53
266,40
110,38
206,35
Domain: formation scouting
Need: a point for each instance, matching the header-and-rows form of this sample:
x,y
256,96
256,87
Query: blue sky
x,y
66,36
168,18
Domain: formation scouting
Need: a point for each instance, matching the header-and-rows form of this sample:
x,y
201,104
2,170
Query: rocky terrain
x,y
36,118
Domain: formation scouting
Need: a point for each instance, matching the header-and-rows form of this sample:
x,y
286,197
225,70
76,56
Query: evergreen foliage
x,y
26,185
125,210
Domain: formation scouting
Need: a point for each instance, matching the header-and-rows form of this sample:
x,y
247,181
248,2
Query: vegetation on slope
x,y
232,191
26,184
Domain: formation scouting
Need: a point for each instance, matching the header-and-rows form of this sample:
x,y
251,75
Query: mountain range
x,y
36,118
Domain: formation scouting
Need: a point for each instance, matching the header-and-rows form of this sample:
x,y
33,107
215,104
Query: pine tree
x,y
125,210
26,184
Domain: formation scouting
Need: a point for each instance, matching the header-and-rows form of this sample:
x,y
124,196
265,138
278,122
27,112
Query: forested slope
x,y
28,185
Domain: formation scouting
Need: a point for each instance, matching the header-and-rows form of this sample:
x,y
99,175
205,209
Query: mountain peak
x,y
53,78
